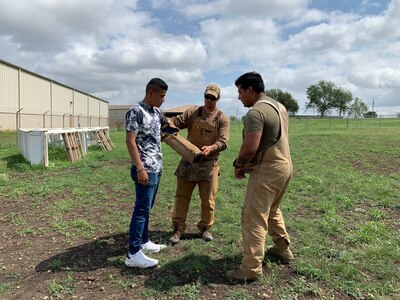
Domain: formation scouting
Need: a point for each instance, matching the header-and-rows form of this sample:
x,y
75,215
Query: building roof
x,y
170,112
48,79
116,107
176,110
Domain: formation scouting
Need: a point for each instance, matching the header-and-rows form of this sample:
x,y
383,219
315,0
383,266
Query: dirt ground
x,y
43,265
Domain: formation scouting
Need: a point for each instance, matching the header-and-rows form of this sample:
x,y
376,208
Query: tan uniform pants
x,y
265,189
207,191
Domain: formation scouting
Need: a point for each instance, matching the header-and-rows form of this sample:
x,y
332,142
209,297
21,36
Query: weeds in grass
x,y
63,286
5,286
126,284
298,289
333,224
3,179
189,291
377,214
238,294
341,211
367,233
55,265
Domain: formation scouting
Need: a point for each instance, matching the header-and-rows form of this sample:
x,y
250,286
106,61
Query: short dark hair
x,y
252,79
157,85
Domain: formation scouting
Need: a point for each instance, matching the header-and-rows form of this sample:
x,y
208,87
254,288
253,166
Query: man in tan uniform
x,y
265,155
208,129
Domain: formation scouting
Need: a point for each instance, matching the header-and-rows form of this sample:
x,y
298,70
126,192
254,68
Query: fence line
x,y
307,123
346,123
48,120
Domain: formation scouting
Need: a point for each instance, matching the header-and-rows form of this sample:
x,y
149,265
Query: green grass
x,y
64,286
4,287
341,210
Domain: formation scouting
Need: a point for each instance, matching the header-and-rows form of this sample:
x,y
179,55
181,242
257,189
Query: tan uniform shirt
x,y
189,117
263,118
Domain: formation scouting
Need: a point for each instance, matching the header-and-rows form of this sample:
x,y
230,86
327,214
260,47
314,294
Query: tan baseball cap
x,y
213,89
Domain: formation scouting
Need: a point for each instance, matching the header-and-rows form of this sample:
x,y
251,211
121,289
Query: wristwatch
x,y
235,164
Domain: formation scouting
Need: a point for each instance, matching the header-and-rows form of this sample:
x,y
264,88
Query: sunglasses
x,y
210,97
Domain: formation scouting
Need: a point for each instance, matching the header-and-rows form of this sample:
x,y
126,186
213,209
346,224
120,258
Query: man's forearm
x,y
249,147
133,151
244,157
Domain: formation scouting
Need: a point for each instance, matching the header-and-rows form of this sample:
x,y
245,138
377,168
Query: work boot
x,y
176,237
206,235
239,275
280,251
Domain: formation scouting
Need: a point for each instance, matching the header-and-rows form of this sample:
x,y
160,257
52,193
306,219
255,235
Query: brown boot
x,y
204,233
280,251
238,275
176,237
207,236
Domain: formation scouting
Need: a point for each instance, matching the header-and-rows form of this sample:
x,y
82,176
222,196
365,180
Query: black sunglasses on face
x,y
210,97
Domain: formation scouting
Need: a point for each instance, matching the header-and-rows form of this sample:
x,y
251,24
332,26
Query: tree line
x,y
324,96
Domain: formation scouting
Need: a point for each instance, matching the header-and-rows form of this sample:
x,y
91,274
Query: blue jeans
x,y
145,198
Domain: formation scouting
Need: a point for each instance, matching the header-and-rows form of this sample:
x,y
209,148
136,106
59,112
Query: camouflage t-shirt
x,y
146,122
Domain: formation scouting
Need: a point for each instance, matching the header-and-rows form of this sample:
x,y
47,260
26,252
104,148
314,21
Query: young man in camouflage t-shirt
x,y
143,139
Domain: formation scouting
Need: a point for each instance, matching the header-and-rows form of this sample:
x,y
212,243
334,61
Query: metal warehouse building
x,y
117,114
29,100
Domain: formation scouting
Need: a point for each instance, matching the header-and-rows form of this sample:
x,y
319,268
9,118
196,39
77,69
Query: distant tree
x,y
370,114
285,98
343,102
358,108
233,118
325,96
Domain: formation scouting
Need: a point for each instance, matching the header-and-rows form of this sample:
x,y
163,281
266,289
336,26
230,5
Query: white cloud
x,y
161,53
112,48
249,8
307,16
377,78
228,40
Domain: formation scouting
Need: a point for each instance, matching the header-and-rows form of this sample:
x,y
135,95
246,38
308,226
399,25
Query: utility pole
x,y
373,103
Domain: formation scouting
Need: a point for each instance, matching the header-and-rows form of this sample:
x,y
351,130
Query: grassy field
x,y
64,228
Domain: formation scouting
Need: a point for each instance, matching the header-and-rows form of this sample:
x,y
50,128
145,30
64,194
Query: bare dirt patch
x,y
384,165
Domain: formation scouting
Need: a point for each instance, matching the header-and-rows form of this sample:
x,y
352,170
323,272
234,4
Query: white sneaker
x,y
150,247
139,260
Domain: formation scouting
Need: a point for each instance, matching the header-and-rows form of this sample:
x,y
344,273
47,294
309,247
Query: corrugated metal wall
x,y
81,109
103,114
44,103
8,97
94,112
9,89
35,100
62,105
116,116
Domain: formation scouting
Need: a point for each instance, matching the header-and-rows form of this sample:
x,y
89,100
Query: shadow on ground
x,y
109,251
100,253
17,163
87,257
192,270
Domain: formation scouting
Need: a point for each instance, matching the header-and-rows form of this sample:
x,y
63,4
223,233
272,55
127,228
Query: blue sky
x,y
112,48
